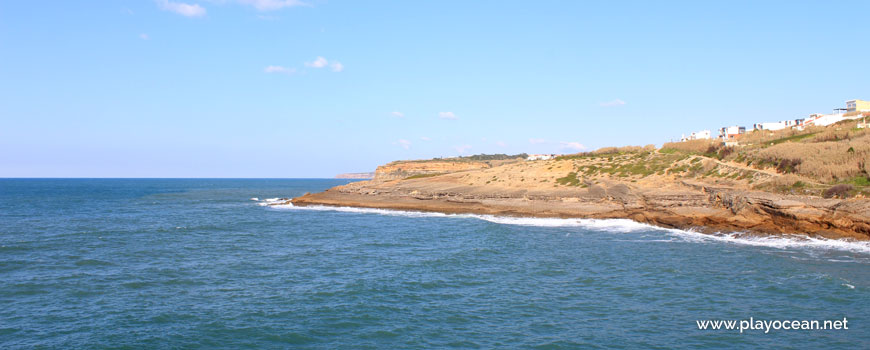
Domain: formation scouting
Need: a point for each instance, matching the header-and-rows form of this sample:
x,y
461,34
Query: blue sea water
x,y
193,263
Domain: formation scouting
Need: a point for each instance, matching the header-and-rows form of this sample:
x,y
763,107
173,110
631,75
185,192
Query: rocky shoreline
x,y
685,205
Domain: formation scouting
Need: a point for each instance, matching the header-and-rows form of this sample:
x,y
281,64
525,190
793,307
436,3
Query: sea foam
x,y
785,241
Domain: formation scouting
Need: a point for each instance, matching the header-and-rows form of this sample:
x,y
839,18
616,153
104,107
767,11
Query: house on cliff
x,y
857,106
782,124
731,132
697,135
541,156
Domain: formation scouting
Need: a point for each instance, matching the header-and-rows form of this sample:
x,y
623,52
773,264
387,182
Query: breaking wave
x,y
613,225
786,241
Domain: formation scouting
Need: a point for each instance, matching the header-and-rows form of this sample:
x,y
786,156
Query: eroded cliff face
x,y
404,169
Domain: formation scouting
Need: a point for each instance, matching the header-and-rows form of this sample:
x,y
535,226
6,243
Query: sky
x,y
286,88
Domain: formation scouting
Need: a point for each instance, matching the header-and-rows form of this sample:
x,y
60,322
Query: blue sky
x,y
269,88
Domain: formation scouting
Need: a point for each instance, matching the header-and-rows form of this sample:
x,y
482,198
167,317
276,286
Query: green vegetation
x,y
499,156
794,138
859,181
569,180
476,158
609,152
420,176
691,146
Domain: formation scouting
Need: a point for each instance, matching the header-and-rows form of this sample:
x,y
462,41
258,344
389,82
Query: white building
x,y
838,115
823,119
731,132
697,135
541,156
770,126
782,124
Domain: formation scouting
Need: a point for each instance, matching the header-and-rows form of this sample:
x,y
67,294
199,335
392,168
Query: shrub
x,y
860,181
787,166
691,146
569,180
499,156
724,152
825,161
606,150
838,191
421,176
784,181
618,150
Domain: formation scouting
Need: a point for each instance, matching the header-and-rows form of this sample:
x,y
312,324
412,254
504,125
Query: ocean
x,y
195,263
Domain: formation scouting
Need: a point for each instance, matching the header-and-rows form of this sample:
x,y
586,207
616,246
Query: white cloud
x,y
614,103
537,141
447,115
573,145
271,5
463,149
404,143
501,144
279,69
319,62
144,36
424,138
181,8
398,114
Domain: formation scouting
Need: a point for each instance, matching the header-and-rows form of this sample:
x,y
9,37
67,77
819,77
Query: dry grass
x,y
840,132
852,114
623,149
827,161
692,146
787,180
609,152
764,138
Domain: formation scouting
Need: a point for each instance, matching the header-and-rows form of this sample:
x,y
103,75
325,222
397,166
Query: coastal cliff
x,y
816,185
683,205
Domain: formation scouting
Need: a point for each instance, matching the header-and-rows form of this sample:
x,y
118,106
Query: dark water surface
x,y
194,263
